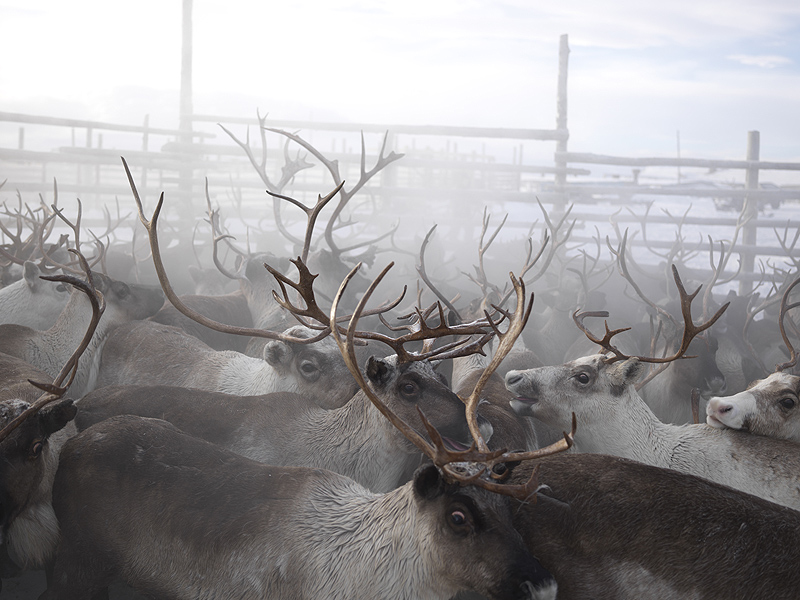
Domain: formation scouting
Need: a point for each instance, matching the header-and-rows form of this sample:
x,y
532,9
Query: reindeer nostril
x,y
513,379
725,408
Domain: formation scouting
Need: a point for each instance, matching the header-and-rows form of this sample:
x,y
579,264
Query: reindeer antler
x,y
785,308
477,465
690,330
59,386
152,231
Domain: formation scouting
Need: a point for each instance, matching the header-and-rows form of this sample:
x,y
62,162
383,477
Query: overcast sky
x,y
638,71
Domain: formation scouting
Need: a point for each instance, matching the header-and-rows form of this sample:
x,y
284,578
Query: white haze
x,y
638,72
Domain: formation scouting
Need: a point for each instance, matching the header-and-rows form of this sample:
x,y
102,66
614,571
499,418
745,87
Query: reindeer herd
x,y
297,438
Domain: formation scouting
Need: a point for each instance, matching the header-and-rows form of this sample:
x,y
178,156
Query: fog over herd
x,y
304,397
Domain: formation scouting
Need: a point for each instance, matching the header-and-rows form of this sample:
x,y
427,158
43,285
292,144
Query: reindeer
x,y
31,301
610,528
292,429
615,420
47,350
31,436
28,526
162,355
287,532
768,406
278,532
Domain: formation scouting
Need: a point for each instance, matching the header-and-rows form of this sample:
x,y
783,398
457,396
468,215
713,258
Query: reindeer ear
x,y
30,272
278,353
56,416
428,482
377,370
625,372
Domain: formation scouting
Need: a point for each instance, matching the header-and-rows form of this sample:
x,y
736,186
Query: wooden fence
x,y
447,174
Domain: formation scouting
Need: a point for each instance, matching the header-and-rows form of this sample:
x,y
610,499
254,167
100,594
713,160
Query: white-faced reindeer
x,y
285,532
614,419
768,406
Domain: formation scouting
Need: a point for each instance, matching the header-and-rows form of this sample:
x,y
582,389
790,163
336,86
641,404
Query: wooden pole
x,y
185,123
561,119
750,212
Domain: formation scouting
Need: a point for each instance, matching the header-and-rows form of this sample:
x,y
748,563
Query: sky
x,y
640,73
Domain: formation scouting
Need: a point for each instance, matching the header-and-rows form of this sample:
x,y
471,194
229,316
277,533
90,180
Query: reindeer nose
x,y
725,408
513,378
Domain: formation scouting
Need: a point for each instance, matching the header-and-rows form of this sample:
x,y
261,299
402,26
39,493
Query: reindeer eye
x,y
458,518
408,389
61,287
583,378
308,369
787,403
36,450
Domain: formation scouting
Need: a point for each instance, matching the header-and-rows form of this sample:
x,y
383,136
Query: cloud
x,y
760,60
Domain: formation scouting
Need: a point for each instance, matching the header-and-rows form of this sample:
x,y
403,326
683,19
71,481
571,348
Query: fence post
x,y
145,143
561,120
185,125
750,213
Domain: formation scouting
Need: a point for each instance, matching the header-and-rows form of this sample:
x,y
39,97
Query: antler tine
x,y
64,379
788,248
622,266
604,343
217,236
506,342
561,445
715,272
152,232
424,276
311,214
690,330
490,460
785,308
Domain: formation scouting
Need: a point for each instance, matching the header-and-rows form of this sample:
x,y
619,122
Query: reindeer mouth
x,y
524,406
526,400
454,445
715,422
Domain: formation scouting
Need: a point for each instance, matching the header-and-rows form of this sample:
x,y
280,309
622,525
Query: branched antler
x,y
690,330
59,386
485,469
152,231
333,168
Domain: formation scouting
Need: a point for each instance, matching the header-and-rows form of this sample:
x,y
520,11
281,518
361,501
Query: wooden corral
x,y
442,169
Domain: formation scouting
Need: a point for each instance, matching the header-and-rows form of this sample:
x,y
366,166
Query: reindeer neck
x,y
357,441
464,366
380,534
627,428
